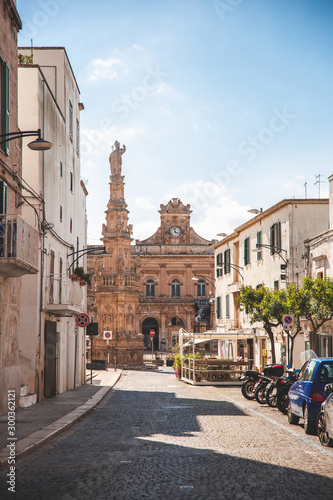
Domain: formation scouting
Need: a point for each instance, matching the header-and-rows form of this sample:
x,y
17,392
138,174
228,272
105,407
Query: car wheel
x,y
309,424
322,433
292,419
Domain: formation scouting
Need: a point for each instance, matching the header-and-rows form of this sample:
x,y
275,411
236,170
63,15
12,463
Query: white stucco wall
x,y
38,108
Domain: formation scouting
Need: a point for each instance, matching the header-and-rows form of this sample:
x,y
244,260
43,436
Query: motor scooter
x,y
251,377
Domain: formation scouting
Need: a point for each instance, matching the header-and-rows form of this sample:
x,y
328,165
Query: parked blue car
x,y
307,394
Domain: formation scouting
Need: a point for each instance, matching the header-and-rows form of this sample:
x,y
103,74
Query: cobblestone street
x,y
154,437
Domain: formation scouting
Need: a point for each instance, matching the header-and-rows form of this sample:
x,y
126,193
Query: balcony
x,y
64,297
18,247
117,280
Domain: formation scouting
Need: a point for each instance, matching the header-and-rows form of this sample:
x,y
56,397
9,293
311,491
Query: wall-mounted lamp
x,y
38,144
255,211
276,250
85,251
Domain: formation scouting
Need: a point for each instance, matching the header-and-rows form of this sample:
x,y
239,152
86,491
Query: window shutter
x,y
278,236
3,197
218,307
228,260
227,311
272,239
259,254
7,103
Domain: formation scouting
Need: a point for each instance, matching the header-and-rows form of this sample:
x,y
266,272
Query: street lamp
x,y
38,144
235,267
204,276
85,251
222,235
277,250
255,211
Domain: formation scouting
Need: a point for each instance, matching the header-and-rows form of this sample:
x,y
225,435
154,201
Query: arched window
x,y
201,288
175,321
150,288
175,288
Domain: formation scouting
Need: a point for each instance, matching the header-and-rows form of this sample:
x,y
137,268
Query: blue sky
x,y
225,104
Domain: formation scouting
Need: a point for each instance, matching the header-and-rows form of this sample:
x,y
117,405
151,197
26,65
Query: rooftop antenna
x,y
318,182
306,189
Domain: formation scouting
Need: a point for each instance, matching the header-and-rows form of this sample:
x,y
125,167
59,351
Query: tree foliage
x,y
265,306
313,300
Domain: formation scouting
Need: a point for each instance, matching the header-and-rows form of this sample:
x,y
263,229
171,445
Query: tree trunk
x,y
271,338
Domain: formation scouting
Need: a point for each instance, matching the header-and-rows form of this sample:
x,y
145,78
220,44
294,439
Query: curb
x,y
50,431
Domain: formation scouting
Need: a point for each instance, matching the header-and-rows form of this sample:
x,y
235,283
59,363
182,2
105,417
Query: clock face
x,y
175,231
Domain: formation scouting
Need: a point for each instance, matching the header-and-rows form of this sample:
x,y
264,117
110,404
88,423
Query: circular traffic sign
x,y
152,333
82,320
107,335
288,320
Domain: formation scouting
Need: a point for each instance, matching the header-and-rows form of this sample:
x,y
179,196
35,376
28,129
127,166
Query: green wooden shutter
x,y
246,251
278,236
272,239
227,310
218,307
3,197
259,254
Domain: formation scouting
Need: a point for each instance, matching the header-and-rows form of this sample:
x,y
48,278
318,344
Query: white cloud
x,y
214,209
144,230
106,69
144,203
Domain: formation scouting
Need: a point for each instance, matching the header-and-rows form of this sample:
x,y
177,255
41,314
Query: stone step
x,y
28,400
23,390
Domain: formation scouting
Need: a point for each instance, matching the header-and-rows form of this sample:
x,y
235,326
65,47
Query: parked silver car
x,y
325,419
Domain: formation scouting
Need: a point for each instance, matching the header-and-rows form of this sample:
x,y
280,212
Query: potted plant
x,y
84,277
158,361
170,359
177,364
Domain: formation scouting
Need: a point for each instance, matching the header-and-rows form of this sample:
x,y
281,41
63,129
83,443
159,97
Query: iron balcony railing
x,y
18,246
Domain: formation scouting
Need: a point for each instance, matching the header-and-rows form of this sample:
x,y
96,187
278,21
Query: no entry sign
x,y
152,333
82,320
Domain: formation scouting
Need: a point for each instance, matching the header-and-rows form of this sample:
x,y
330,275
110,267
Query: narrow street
x,y
154,437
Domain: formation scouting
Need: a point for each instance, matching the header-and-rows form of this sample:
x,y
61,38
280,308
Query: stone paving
x,y
154,437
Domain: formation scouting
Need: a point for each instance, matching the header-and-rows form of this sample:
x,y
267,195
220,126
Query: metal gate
x,y
50,359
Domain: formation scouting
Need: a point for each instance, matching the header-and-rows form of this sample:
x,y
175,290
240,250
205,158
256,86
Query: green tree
x,y
314,301
265,306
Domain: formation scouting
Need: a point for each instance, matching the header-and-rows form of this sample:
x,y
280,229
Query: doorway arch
x,y
147,325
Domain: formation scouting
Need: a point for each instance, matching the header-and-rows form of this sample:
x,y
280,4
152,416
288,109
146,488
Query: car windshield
x,y
326,372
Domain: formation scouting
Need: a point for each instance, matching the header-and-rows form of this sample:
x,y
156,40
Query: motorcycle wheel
x,y
260,394
322,433
271,395
247,388
282,401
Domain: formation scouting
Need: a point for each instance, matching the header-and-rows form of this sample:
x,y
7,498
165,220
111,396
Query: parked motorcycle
x,y
282,396
251,378
278,386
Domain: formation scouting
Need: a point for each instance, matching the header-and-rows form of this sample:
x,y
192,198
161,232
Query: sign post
x,y
152,333
107,336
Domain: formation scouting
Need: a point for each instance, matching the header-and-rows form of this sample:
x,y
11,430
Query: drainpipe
x,y
42,252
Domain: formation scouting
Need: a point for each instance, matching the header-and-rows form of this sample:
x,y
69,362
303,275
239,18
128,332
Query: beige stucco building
x,y
148,285
52,347
280,231
319,251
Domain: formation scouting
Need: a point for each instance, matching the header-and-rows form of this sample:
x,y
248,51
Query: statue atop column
x,y
115,158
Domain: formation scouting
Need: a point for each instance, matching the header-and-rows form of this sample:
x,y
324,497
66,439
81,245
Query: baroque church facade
x,y
162,283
